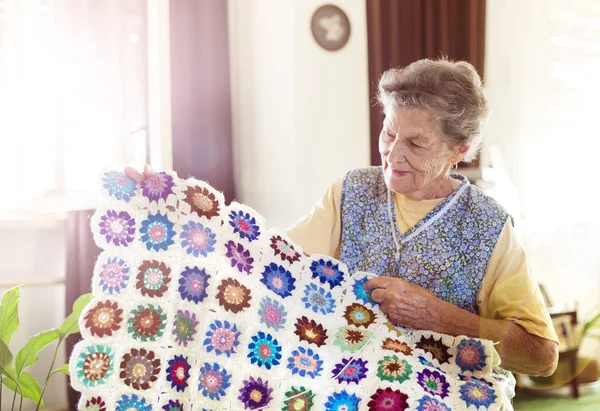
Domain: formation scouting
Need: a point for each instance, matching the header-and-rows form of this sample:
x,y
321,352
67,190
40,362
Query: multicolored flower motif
x,y
436,348
197,240
351,339
342,401
255,393
104,318
264,350
147,323
311,332
173,405
114,275
222,338
239,257
213,381
139,368
318,299
153,278
133,402
362,295
428,403
185,327
284,250
157,185
95,365
298,399
359,315
118,185
478,394
178,372
157,232
470,355
233,296
272,314
94,404
388,400
244,225
193,284
278,279
396,346
391,369
202,202
305,362
117,227
433,382
350,370
327,272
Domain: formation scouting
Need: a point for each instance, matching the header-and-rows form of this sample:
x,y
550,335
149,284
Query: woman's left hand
x,y
406,304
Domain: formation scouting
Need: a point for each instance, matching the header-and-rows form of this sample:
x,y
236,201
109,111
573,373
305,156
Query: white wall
x,y
300,113
28,254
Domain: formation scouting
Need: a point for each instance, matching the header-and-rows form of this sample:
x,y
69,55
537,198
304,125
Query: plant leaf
x,y
29,387
8,372
71,323
9,314
28,355
63,368
6,356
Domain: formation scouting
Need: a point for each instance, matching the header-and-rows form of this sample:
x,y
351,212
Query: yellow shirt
x,y
507,291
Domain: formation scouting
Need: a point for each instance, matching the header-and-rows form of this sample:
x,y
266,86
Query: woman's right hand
x,y
136,175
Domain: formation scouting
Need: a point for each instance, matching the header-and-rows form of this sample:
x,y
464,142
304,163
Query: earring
x,y
454,167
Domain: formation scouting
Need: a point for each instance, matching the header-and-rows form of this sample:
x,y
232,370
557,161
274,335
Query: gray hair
x,y
452,91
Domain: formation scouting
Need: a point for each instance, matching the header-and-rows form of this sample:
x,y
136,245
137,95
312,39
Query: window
x,y
73,97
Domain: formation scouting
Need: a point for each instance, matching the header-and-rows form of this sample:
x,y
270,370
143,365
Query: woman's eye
x,y
415,145
390,135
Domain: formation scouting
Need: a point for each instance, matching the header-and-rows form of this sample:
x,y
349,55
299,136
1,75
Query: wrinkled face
x,y
415,159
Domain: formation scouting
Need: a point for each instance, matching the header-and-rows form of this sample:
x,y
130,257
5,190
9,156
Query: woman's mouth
x,y
399,173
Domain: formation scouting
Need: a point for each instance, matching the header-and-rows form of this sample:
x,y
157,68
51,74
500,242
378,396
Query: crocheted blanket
x,y
199,304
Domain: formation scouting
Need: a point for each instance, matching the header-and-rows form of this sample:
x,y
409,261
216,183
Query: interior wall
x,y
300,113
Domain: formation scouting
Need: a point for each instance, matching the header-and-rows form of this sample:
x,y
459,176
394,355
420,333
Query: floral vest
x,y
447,252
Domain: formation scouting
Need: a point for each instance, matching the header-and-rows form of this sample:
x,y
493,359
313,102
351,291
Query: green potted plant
x,y
14,379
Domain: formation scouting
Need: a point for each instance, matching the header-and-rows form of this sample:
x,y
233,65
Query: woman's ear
x,y
460,153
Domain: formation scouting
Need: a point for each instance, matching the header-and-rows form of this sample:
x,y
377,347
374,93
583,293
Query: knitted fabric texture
x,y
198,305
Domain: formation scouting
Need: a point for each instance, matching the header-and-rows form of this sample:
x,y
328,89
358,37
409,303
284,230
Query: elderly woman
x,y
446,254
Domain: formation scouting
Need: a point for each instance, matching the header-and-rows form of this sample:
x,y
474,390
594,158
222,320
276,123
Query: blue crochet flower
x,y
278,279
342,401
264,350
244,225
272,314
114,275
157,232
133,403
197,240
327,272
118,185
470,355
213,381
305,362
477,394
361,294
318,299
193,284
428,403
178,372
222,337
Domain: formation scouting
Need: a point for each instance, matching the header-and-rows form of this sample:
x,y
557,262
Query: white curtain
x,y
543,81
73,95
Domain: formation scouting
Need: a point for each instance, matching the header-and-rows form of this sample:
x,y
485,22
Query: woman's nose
x,y
396,151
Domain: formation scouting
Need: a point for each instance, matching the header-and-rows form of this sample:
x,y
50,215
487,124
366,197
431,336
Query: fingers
x,y
377,282
147,170
378,295
133,174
